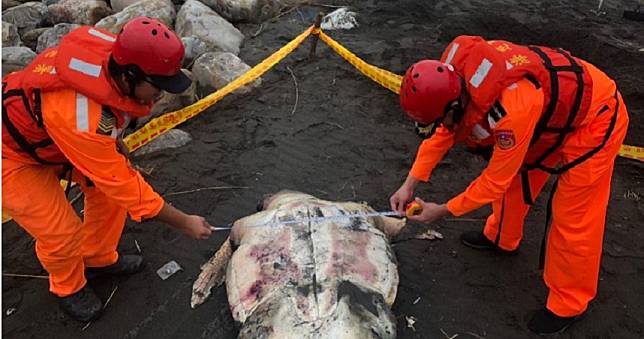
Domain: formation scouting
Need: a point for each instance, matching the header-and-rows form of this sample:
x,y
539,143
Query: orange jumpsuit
x,y
574,243
32,194
81,112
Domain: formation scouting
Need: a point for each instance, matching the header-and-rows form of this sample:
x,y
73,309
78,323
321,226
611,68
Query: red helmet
x,y
155,49
428,87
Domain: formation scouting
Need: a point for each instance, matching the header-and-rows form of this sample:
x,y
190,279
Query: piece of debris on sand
x,y
411,320
167,270
341,18
429,235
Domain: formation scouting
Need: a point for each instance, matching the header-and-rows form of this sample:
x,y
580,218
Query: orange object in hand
x,y
413,208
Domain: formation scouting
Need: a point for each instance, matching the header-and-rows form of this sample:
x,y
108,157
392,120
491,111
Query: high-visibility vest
x,y
79,62
489,67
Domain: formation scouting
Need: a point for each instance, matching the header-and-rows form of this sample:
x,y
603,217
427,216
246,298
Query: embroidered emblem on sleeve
x,y
504,138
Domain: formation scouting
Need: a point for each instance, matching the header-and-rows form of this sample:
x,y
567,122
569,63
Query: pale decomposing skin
x,y
326,279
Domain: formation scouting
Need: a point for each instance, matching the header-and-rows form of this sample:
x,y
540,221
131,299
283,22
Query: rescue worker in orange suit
x,y
66,110
532,111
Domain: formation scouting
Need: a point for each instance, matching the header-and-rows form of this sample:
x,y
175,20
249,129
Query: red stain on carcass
x,y
349,254
275,265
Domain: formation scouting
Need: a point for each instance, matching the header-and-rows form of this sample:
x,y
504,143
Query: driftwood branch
x,y
210,188
259,30
475,335
297,92
110,297
466,219
447,336
327,6
25,276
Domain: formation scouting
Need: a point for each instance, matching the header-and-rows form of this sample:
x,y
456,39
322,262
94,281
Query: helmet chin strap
x,y
132,84
133,77
458,111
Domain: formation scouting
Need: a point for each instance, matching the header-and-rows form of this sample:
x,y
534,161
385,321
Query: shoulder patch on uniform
x,y
504,138
107,122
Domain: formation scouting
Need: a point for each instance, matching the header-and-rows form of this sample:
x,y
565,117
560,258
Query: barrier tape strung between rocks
x,y
157,126
389,80
166,122
392,82
632,152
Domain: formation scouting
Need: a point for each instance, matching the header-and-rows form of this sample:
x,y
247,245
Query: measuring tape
x,y
314,220
412,209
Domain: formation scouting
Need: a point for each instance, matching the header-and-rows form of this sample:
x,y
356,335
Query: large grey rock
x,y
172,139
10,36
6,4
213,70
30,38
26,16
119,5
50,2
245,10
194,48
159,9
16,58
51,37
83,12
197,19
171,102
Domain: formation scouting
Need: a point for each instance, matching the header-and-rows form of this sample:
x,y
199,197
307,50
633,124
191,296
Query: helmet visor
x,y
175,84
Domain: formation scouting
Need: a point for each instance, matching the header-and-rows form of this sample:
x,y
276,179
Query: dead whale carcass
x,y
324,279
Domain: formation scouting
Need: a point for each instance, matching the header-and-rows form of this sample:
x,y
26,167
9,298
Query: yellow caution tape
x,y
385,78
164,123
632,152
392,82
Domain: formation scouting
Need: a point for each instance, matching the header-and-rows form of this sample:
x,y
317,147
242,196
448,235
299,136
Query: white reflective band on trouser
x,y
85,67
480,132
508,65
101,35
481,73
451,53
82,113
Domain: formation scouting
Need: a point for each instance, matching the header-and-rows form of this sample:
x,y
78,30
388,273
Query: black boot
x,y
83,305
545,322
126,264
479,241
